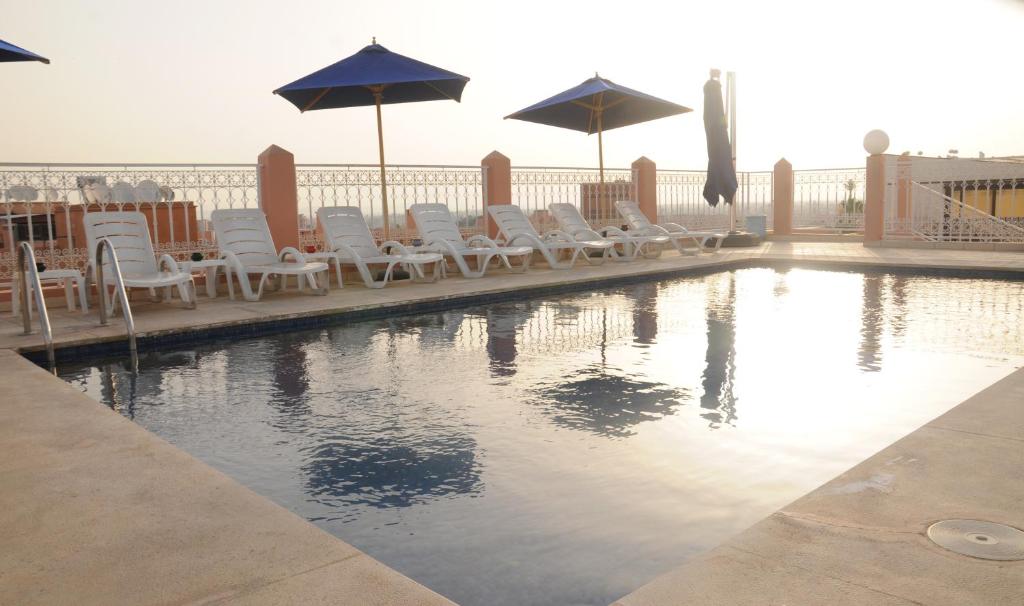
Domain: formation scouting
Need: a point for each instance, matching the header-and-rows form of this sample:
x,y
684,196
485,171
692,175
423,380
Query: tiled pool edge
x,y
274,324
861,537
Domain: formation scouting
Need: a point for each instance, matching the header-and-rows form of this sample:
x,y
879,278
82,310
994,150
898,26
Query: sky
x,y
191,81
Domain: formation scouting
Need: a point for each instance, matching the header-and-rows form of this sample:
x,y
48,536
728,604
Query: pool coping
x,y
45,409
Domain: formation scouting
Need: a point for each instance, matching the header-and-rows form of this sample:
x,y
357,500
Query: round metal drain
x,y
978,539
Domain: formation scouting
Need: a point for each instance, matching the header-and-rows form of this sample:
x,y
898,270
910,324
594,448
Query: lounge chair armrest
x,y
394,245
440,245
232,261
168,260
481,238
288,250
673,228
657,230
530,240
586,234
347,251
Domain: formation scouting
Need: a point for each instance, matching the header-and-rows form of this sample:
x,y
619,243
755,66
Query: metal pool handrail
x,y
25,252
121,291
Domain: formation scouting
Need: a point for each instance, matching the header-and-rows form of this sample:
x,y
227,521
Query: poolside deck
x,y
95,510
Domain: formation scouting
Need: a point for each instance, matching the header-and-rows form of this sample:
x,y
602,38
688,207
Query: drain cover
x,y
986,540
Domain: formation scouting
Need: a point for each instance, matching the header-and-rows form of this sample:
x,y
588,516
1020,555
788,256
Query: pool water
x,y
568,449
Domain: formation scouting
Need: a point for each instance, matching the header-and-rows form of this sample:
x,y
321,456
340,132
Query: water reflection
x,y
720,369
606,402
645,312
872,319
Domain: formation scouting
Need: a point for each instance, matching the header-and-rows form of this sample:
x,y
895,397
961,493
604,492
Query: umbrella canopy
x,y
374,76
9,52
721,171
595,106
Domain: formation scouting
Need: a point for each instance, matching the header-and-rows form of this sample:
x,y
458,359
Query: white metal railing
x,y
460,187
829,198
681,199
954,200
535,187
43,204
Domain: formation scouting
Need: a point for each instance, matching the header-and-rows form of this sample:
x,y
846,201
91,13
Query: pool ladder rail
x,y
28,270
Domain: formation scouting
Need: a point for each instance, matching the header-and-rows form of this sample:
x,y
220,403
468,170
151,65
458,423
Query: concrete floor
x,y
95,510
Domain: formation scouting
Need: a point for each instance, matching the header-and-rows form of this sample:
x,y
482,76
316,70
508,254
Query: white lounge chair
x,y
128,233
247,247
572,222
348,238
639,223
440,233
516,229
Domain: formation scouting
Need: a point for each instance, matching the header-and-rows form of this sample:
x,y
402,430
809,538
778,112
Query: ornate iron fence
x,y
681,199
830,199
44,204
534,188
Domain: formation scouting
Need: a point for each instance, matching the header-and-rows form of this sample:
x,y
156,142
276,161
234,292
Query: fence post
x,y
498,178
279,198
874,199
645,180
782,198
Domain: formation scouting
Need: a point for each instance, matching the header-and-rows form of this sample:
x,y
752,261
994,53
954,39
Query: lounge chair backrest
x,y
435,222
244,232
631,212
346,225
569,217
129,233
123,192
511,220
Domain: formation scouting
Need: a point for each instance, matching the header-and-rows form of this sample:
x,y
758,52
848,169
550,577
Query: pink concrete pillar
x,y
498,185
645,180
874,199
782,198
279,199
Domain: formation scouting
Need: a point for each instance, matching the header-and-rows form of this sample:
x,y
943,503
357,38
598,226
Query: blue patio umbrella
x,y
721,170
374,76
9,52
598,105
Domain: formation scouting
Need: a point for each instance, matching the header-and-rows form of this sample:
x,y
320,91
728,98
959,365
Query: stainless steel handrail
x,y
120,290
25,252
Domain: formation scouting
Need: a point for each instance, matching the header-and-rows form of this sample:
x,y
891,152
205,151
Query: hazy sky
x,y
191,81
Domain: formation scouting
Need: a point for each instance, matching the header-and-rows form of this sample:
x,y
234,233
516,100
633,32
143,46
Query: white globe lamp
x,y
876,142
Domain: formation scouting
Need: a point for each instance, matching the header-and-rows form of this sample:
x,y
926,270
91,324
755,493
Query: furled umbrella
x,y
597,105
10,52
721,181
374,76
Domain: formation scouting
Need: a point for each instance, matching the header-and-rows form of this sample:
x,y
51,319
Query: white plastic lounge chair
x,y
246,245
516,229
348,237
639,223
440,233
572,222
128,232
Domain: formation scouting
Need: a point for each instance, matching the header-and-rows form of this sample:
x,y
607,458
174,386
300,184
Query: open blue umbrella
x,y
598,105
9,52
374,76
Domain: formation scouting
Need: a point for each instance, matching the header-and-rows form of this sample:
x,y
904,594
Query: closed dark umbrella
x,y
595,106
721,171
10,52
374,76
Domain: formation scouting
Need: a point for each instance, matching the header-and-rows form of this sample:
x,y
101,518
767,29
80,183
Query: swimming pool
x,y
567,449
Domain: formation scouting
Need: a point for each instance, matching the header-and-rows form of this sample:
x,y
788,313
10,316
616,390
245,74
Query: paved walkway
x,y
96,510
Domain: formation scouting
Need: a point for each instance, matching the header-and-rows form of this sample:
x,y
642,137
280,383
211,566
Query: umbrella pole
x,y
600,169
383,176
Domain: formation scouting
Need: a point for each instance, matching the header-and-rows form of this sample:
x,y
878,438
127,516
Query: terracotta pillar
x,y
645,182
874,199
278,195
782,198
497,185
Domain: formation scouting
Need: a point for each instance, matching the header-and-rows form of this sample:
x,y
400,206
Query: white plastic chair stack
x,y
440,233
348,237
639,223
516,229
572,222
128,233
246,245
